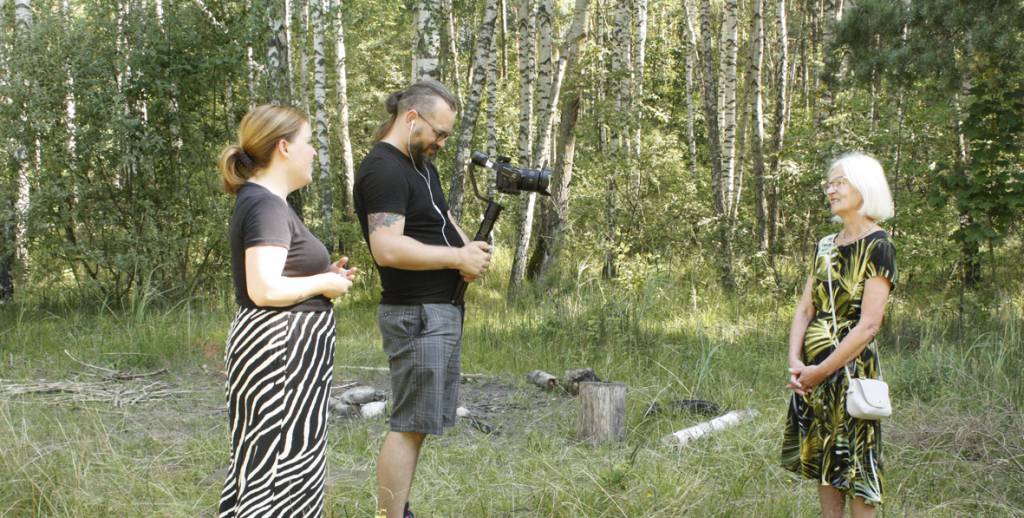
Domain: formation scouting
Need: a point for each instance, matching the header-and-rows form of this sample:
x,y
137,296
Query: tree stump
x,y
602,411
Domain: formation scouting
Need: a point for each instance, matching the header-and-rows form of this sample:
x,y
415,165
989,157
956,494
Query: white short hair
x,y
865,174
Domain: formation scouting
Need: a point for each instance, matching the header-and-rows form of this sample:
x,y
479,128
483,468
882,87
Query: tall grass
x,y
952,448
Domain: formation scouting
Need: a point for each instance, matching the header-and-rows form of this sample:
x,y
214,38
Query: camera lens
x,y
534,181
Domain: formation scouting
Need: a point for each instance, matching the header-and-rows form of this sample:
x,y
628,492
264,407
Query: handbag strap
x,y
832,308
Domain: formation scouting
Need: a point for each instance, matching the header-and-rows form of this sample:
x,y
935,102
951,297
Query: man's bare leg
x,y
395,468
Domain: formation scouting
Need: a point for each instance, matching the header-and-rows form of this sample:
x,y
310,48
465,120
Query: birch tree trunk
x,y
341,74
711,118
639,61
728,53
298,39
22,32
691,60
278,73
427,44
620,55
555,210
451,48
527,74
545,80
250,61
278,83
323,142
778,136
760,202
482,58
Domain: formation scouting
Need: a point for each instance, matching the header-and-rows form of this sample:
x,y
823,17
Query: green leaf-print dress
x,y
821,440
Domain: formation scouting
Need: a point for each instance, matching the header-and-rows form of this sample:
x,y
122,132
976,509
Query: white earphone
x,y
408,147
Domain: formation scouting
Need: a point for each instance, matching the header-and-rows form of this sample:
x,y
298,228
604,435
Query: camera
x,y
509,179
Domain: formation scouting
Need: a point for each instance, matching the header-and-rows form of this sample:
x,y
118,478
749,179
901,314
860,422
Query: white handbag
x,y
865,398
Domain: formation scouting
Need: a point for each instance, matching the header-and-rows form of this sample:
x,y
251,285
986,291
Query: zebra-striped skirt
x,y
279,366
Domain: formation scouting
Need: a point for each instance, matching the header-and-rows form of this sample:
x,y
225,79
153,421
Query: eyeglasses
x,y
833,184
441,135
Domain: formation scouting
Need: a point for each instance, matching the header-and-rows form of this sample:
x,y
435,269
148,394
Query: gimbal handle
x,y
483,234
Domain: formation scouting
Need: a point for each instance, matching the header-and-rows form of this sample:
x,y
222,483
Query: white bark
x,y
760,201
323,142
691,63
555,211
728,53
298,39
482,58
778,136
452,51
343,113
427,43
22,30
527,74
277,55
684,436
639,61
545,80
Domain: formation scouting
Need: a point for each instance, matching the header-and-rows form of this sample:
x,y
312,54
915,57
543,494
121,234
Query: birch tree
x,y
728,53
298,39
323,142
639,61
555,210
691,61
620,139
451,61
528,12
779,133
427,43
757,59
341,76
711,118
22,156
545,78
482,58
278,83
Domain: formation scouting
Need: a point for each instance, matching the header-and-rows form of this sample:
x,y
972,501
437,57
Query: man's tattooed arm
x,y
379,220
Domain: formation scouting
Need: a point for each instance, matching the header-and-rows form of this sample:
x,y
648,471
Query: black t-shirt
x,y
387,182
262,218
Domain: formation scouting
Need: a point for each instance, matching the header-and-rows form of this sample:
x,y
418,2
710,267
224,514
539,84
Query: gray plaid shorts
x,y
422,342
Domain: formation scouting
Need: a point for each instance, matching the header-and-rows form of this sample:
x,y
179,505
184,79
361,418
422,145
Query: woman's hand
x,y
334,285
794,383
340,267
808,377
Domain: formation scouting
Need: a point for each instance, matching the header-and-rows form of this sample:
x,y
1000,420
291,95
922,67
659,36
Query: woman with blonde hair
x,y
834,328
280,348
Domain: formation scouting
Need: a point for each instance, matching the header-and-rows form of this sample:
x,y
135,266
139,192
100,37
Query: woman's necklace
x,y
845,241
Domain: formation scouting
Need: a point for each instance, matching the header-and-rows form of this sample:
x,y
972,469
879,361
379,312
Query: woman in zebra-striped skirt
x,y
280,349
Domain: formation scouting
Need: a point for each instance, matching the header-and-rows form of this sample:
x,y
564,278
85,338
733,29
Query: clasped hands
x,y
804,378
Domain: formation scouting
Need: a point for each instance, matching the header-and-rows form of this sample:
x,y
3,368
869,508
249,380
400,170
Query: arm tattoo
x,y
379,220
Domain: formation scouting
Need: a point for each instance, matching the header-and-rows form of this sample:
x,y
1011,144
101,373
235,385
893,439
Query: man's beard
x,y
419,153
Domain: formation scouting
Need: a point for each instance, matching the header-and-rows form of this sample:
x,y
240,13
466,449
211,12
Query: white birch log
x,y
717,424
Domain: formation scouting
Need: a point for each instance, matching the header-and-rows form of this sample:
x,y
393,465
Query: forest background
x,y
687,141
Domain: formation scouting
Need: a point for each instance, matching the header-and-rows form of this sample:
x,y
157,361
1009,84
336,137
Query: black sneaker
x,y
408,513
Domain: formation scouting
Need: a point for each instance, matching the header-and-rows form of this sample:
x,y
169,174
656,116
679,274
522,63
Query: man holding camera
x,y
421,254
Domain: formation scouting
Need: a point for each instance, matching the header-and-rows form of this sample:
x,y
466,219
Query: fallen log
x,y
361,395
573,378
342,409
728,420
542,379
